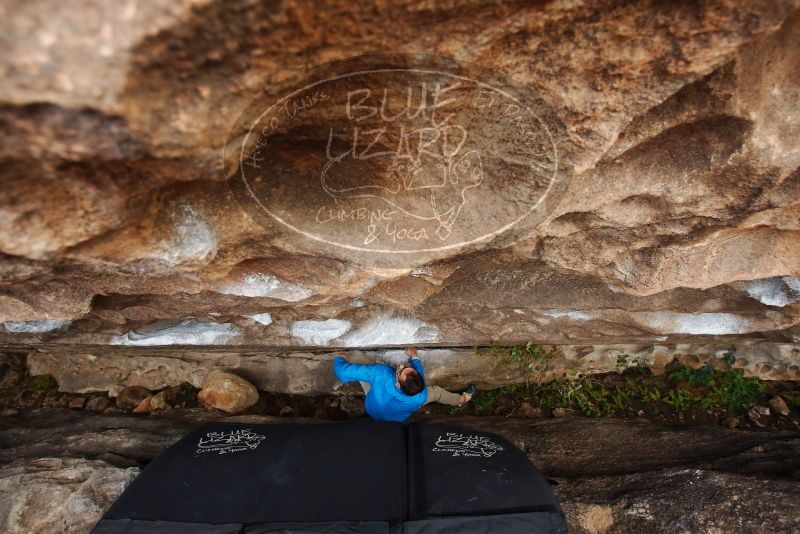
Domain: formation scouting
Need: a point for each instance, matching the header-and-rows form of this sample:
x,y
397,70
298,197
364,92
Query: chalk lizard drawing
x,y
473,443
227,442
427,188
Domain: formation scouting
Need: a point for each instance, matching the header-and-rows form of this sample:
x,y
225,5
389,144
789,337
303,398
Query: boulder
x,y
227,392
145,406
527,410
661,198
130,397
158,402
58,494
778,405
97,404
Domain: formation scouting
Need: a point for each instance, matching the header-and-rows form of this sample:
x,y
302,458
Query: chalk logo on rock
x,y
466,445
397,159
229,442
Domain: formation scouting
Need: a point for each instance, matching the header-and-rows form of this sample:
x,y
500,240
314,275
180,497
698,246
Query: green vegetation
x,y
585,395
695,377
532,359
734,392
629,391
679,398
185,389
793,400
43,384
627,362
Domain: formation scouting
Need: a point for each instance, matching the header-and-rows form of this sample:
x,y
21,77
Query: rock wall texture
x,y
93,369
678,212
58,494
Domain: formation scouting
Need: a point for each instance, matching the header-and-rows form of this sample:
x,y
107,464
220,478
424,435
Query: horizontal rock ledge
x,y
308,372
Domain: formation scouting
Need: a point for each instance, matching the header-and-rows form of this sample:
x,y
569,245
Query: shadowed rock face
x,y
677,210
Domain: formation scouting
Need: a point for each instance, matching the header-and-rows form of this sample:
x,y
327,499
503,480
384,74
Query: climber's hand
x,y
411,352
344,355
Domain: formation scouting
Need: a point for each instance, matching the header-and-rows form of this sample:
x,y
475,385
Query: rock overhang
x,y
678,213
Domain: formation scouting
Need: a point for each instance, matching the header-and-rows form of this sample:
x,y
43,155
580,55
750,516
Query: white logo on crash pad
x,y
466,445
228,442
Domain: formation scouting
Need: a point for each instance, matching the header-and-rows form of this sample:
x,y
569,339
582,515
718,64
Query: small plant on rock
x,y
43,384
679,398
737,391
532,359
696,377
627,362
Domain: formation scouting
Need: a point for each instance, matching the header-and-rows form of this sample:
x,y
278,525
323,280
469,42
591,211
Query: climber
x,y
394,393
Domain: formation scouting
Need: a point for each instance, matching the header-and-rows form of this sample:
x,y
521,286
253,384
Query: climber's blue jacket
x,y
385,401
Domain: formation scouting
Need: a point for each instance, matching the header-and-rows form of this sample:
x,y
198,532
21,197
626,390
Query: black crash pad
x,y
357,476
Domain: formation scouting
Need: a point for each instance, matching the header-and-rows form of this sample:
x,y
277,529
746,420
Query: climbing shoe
x,y
470,391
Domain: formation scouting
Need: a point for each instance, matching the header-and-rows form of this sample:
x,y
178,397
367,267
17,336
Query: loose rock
x,y
171,394
159,402
227,392
756,415
131,396
97,404
77,403
10,379
352,406
527,410
731,422
779,405
144,406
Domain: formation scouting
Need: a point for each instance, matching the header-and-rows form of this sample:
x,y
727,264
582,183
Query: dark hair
x,y
413,384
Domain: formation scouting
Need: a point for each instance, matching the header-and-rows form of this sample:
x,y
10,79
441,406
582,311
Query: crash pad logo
x,y
229,442
466,445
396,158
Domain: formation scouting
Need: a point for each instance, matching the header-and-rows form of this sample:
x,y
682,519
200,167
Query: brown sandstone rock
x,y
97,404
227,392
145,406
526,410
778,405
158,402
72,494
127,260
131,396
757,414
308,373
77,403
679,216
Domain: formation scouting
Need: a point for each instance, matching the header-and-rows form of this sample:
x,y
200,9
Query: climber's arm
x,y
350,372
411,352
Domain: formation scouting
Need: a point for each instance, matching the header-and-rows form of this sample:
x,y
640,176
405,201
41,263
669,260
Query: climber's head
x,y
408,380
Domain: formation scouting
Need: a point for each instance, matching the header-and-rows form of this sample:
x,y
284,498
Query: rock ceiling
x,y
677,210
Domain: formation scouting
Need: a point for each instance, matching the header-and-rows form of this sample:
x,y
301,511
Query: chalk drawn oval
x,y
397,159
